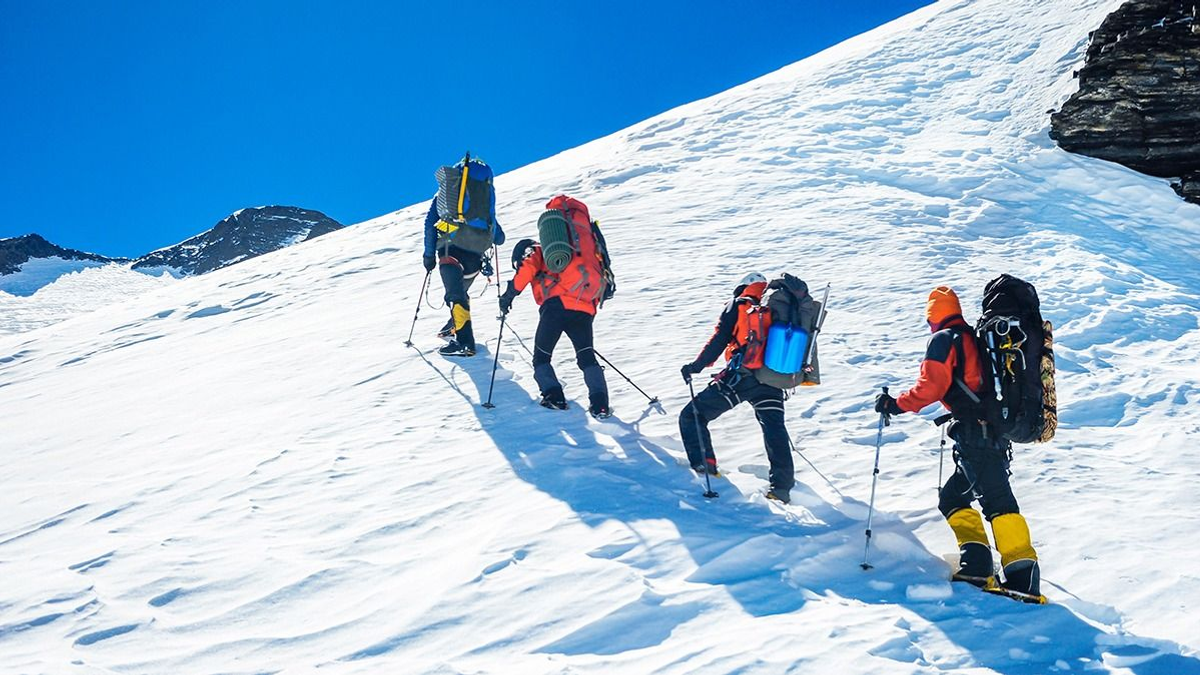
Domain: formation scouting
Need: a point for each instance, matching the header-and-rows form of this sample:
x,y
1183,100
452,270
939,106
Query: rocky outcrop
x,y
246,234
17,251
1138,102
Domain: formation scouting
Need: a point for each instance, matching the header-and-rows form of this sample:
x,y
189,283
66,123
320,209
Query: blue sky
x,y
128,126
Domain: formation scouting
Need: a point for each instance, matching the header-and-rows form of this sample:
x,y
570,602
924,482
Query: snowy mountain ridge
x,y
35,274
249,472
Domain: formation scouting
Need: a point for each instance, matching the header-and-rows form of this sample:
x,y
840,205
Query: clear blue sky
x,y
127,126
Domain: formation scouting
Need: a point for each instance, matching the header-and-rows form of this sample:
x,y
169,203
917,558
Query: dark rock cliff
x,y
1138,102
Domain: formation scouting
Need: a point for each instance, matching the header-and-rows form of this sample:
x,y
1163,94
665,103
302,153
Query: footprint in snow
x,y
517,556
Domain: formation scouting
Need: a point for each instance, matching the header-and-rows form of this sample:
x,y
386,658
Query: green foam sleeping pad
x,y
555,236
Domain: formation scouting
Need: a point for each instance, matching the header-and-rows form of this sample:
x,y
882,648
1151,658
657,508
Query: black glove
x,y
887,405
690,369
429,261
506,300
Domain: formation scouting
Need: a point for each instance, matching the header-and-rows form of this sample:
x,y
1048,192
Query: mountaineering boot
x,y
599,406
447,331
780,495
1017,557
974,554
1023,576
463,332
554,399
454,348
974,564
709,467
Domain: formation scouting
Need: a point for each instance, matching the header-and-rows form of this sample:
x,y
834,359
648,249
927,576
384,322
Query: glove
x,y
429,261
887,405
506,300
690,369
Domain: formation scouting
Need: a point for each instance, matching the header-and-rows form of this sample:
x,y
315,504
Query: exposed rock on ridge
x,y
248,233
1138,102
17,251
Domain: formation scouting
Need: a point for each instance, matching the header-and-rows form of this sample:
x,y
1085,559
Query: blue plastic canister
x,y
786,347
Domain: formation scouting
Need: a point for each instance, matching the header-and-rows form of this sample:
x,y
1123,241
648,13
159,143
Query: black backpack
x,y
1015,344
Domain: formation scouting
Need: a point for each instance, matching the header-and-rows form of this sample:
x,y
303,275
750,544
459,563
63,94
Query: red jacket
x,y
533,271
937,370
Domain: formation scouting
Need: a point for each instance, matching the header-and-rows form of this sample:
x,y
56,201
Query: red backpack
x,y
574,252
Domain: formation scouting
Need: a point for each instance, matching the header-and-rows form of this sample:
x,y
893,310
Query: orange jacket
x,y
944,315
533,271
734,326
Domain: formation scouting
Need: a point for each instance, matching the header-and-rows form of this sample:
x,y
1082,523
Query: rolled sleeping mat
x,y
554,234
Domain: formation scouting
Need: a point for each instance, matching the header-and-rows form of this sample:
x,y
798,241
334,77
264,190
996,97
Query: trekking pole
x,y
941,459
814,467
884,420
610,365
941,422
496,269
495,362
424,284
708,491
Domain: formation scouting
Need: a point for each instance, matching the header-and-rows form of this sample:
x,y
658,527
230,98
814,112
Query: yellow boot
x,y
974,554
1017,557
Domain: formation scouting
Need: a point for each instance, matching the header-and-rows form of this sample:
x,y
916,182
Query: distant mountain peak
x,y
16,251
244,234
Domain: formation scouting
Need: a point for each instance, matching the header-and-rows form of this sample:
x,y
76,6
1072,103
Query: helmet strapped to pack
x,y
466,204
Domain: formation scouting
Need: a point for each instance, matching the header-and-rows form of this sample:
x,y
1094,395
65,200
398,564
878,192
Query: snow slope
x,y
249,473
81,287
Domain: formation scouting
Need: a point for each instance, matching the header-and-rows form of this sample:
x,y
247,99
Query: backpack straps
x,y
960,367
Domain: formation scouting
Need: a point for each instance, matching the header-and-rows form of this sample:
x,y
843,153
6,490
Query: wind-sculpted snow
x,y
248,472
77,287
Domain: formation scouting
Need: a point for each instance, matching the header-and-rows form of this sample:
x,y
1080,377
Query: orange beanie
x,y
942,304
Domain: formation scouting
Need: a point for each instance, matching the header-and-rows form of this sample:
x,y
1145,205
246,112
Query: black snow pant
x,y
719,398
458,268
553,321
981,472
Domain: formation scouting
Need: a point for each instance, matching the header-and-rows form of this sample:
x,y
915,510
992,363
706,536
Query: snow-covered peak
x,y
29,262
242,235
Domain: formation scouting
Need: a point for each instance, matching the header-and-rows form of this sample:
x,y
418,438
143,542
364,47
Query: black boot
x,y
974,564
1023,576
454,348
553,398
447,331
599,406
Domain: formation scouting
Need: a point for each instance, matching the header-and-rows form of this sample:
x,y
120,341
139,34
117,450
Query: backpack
x,y
574,250
466,205
792,321
1016,346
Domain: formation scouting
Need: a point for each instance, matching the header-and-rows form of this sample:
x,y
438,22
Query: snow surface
x,y
81,287
37,273
247,472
